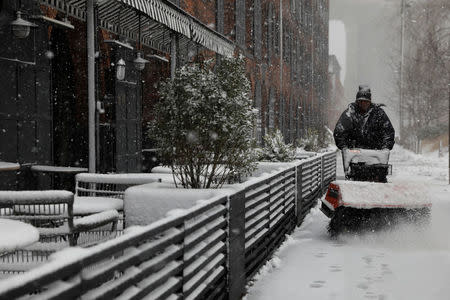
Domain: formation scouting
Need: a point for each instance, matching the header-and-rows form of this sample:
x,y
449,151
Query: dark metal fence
x,y
269,212
208,252
183,255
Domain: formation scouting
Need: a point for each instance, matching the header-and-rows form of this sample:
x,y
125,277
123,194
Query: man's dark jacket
x,y
372,130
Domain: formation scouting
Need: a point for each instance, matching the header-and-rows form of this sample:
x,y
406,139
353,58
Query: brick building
x,y
294,40
337,102
287,54
44,111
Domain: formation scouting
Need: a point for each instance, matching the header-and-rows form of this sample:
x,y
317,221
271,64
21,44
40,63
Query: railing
x,y
184,255
329,169
269,211
110,185
207,252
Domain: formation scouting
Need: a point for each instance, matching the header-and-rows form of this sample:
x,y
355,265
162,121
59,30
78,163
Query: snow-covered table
x,y
16,235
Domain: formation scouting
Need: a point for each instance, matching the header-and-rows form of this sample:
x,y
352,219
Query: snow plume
x,y
407,237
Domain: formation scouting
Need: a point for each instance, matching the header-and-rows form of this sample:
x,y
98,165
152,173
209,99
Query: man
x,y
364,124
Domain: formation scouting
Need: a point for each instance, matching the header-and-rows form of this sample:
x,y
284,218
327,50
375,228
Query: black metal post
x,y
299,200
236,246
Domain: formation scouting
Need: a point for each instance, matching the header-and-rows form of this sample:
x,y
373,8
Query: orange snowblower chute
x,y
333,195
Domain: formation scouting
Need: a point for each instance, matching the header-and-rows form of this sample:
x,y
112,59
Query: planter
x,y
147,203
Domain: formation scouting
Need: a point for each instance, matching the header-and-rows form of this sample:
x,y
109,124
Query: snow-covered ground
x,y
406,263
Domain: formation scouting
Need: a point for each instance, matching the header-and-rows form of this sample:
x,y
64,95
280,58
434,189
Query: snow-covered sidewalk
x,y
404,264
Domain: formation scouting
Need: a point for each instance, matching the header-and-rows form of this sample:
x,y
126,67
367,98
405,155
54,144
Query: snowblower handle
x,y
367,156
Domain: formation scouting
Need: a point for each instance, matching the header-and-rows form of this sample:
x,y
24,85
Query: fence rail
x,y
208,252
267,204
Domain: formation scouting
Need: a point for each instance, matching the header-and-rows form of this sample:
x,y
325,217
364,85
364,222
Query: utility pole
x,y
402,48
448,85
90,23
312,64
281,115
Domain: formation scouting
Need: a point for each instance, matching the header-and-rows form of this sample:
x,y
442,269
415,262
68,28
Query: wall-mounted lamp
x,y
21,27
158,57
120,69
139,62
100,107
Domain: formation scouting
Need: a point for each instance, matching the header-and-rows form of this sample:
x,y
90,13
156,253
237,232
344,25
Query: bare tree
x,y
426,68
426,72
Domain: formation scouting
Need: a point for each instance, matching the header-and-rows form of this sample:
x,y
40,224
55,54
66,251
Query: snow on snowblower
x,y
365,201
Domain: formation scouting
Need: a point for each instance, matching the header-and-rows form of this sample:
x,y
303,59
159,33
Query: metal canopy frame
x,y
161,19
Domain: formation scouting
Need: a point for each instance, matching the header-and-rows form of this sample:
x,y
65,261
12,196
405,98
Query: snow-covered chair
x,y
51,212
96,193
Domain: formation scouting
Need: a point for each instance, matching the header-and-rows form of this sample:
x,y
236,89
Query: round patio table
x,y
16,235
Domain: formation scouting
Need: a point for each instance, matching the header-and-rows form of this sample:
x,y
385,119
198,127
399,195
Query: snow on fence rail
x,y
209,251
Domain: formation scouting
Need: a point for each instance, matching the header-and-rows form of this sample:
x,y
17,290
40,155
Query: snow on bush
x,y
204,122
275,149
314,139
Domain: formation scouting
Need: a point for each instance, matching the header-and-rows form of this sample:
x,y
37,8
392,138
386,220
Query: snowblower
x,y
366,201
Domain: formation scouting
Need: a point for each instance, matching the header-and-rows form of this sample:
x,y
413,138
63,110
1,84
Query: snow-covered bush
x,y
203,123
328,138
314,140
309,142
275,149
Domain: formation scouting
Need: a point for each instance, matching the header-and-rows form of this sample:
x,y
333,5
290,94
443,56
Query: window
x,y
291,119
281,115
240,23
258,102
270,32
257,31
270,110
299,11
276,33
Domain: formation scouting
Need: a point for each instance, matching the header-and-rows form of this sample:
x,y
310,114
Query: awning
x,y
158,20
207,37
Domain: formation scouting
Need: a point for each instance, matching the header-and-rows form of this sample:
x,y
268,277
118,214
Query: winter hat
x,y
364,93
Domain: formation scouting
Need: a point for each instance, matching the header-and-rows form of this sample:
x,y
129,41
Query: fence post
x,y
299,200
322,177
236,246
